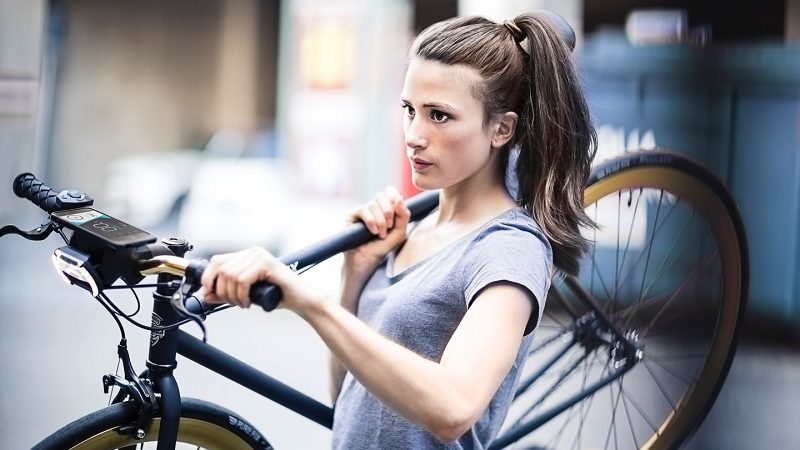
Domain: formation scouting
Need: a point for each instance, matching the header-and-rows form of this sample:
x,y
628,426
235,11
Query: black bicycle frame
x,y
166,344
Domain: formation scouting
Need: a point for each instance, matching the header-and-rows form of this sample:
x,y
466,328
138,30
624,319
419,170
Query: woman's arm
x,y
447,397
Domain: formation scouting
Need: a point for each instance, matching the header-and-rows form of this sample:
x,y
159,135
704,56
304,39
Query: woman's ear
x,y
504,129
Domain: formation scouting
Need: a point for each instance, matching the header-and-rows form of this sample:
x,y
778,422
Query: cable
x,y
103,298
138,286
63,236
119,324
120,313
138,303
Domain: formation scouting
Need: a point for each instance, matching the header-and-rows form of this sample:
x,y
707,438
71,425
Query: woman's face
x,y
447,143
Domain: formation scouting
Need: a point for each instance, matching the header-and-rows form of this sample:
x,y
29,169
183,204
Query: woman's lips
x,y
420,164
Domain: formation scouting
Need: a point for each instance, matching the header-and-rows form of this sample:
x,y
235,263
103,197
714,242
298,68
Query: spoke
x,y
675,294
686,312
594,250
626,314
649,251
616,263
660,387
663,358
679,376
660,269
571,412
630,422
693,320
648,243
641,414
557,438
548,341
613,415
595,270
549,375
586,405
563,376
552,375
627,247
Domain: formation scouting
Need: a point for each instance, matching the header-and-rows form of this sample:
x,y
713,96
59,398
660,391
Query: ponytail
x,y
556,139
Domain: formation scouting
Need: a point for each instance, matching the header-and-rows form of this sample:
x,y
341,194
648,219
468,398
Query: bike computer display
x,y
113,232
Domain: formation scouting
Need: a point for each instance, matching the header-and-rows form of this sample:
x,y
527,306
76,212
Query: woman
x,y
432,324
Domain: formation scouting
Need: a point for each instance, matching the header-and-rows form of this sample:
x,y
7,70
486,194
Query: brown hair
x,y
536,79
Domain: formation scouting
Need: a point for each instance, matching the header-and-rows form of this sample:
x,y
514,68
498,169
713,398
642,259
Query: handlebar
x,y
267,295
26,185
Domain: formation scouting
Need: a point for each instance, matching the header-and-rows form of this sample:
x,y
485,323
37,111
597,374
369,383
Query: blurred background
x,y
235,123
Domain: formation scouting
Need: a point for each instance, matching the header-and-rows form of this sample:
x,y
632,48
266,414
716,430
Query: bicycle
x,y
613,324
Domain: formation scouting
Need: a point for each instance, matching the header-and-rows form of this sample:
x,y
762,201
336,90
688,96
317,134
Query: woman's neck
x,y
474,202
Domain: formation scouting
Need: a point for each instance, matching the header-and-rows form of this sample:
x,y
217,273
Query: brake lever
x,y
39,233
177,302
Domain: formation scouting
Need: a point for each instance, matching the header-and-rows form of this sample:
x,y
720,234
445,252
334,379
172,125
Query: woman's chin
x,y
423,184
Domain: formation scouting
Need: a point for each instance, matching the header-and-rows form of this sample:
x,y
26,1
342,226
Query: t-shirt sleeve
x,y
512,253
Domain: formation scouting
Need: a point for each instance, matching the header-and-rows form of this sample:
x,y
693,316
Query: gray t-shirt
x,y
420,309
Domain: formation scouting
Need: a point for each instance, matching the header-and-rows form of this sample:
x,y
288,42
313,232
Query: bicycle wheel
x,y
202,425
669,267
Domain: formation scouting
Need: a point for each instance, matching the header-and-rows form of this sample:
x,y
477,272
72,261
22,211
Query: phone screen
x,y
115,232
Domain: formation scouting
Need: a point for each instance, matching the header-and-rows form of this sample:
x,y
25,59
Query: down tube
x,y
249,377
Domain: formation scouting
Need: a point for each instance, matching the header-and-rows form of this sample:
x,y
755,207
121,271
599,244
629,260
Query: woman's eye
x,y
409,110
438,116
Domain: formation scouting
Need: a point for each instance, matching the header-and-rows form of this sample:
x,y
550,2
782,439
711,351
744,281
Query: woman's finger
x,y
366,215
240,281
212,298
380,219
385,203
209,277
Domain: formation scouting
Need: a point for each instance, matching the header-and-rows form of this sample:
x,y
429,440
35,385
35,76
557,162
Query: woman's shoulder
x,y
513,222
513,229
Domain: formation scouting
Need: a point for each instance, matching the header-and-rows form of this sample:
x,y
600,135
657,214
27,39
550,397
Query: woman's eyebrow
x,y
440,105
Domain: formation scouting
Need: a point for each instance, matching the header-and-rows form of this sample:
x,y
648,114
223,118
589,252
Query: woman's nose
x,y
415,134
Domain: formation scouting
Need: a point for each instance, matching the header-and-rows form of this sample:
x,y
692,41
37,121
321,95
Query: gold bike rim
x,y
703,199
191,431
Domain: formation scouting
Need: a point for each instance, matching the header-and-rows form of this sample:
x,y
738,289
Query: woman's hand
x,y
385,216
229,276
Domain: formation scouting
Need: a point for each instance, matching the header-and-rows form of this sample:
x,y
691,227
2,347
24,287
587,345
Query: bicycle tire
x,y
202,425
687,315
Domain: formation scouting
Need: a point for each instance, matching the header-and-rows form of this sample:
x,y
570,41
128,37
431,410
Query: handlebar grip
x,y
262,293
266,295
26,185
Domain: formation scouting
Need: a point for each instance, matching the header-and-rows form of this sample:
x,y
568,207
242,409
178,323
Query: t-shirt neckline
x,y
392,254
